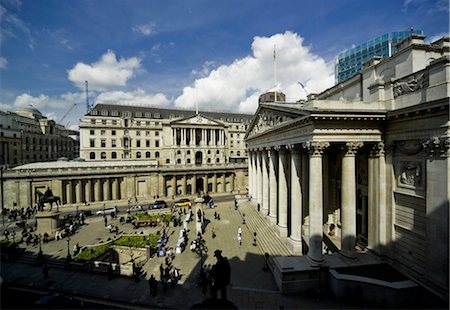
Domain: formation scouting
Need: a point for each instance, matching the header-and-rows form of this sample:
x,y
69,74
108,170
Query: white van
x,y
106,211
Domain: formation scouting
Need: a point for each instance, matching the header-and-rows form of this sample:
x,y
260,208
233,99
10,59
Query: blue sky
x,y
217,53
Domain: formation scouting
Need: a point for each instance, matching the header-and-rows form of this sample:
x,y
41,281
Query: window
x,y
147,133
147,154
147,123
92,155
138,123
167,161
138,132
113,143
209,152
103,155
157,154
156,143
138,154
113,132
147,143
103,143
91,132
103,121
217,160
113,155
102,132
92,121
178,152
188,152
209,160
104,112
114,121
156,133
92,143
178,161
138,143
217,152
188,161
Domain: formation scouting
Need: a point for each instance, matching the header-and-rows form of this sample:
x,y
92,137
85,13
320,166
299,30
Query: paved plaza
x,y
251,287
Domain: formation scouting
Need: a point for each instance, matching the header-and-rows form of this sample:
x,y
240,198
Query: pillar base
x,y
282,231
295,246
272,220
316,261
348,255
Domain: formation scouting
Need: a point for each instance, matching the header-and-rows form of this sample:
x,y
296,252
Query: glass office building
x,y
350,62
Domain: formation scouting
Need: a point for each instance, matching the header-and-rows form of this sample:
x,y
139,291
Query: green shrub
x,y
92,253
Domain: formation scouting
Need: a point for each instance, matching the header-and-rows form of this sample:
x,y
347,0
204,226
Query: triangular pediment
x,y
198,120
270,116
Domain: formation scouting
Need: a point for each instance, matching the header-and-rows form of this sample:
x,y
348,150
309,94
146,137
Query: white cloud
x,y
43,102
105,73
145,29
137,97
3,63
237,86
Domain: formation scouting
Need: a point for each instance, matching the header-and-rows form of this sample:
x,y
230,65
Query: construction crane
x,y
88,106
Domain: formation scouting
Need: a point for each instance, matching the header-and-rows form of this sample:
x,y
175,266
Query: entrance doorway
x,y
199,185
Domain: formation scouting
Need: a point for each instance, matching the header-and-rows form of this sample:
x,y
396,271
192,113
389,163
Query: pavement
x,y
251,287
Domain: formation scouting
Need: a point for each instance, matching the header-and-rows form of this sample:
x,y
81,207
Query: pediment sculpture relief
x,y
268,120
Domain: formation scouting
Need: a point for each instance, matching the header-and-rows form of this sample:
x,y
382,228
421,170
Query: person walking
x,y
153,284
239,238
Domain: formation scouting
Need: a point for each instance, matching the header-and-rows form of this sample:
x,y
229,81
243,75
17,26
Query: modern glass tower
x,y
350,62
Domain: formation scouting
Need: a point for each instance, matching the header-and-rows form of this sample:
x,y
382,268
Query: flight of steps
x,y
266,238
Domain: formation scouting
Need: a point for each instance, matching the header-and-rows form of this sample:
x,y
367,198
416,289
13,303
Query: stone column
x,y
315,150
258,178
98,190
182,136
107,190
250,171
173,184
273,186
119,188
282,228
231,178
205,183
69,192
348,200
214,183
222,179
79,191
295,239
183,185
265,181
89,191
194,185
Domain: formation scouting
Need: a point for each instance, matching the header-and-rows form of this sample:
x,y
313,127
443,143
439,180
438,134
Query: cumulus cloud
x,y
137,97
106,73
43,102
3,63
145,29
236,86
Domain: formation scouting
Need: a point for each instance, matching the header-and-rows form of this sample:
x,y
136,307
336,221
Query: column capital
x,y
352,147
377,149
315,148
293,148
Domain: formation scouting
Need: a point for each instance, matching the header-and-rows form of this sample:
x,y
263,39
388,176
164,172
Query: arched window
x,y
103,155
217,160
113,155
157,154
147,154
178,161
209,160
138,154
92,155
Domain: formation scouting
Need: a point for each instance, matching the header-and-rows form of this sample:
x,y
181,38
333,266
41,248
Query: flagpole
x,y
275,70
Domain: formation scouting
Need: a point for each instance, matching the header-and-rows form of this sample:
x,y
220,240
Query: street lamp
x,y
2,194
68,248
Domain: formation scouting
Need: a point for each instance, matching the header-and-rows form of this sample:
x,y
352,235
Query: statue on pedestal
x,y
47,197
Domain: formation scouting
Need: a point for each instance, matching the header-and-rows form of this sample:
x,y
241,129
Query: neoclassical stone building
x,y
133,154
369,155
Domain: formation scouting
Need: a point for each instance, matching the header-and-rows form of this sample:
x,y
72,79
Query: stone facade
x,y
369,155
26,136
169,137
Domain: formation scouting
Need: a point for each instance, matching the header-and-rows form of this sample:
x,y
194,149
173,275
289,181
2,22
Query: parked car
x,y
185,202
76,214
137,208
106,211
159,204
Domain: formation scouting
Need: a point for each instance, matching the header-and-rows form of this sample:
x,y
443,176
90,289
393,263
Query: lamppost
x,y
2,194
68,248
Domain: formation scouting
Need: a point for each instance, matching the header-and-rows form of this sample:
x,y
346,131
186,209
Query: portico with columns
x,y
291,165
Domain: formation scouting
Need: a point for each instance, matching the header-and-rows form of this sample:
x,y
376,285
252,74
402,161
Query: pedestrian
x,y
153,286
220,274
213,231
254,238
161,272
239,230
239,238
105,220
199,215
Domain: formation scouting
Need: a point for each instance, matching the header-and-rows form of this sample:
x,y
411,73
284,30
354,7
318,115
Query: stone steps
x,y
267,239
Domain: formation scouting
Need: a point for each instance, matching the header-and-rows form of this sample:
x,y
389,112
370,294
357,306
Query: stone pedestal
x,y
47,222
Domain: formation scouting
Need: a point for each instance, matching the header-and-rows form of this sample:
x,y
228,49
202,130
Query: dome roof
x,y
29,111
